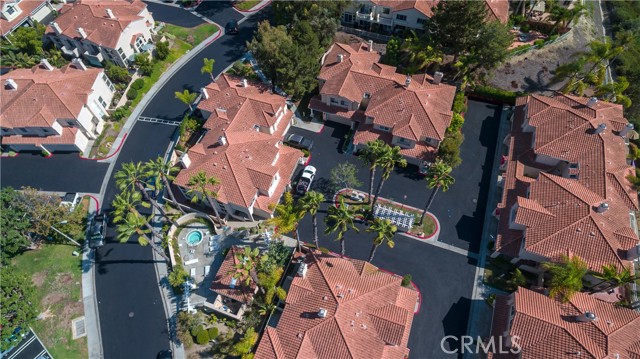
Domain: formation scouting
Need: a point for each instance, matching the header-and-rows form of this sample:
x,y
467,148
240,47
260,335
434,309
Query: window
x,y
10,10
386,10
343,102
400,17
366,95
403,140
102,101
348,18
121,52
139,43
333,100
421,21
385,128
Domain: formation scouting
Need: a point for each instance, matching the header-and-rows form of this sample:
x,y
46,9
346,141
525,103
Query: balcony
x,y
70,52
382,20
94,59
368,16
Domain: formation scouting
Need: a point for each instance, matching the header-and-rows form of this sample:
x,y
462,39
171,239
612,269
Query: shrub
x,y
459,105
194,330
525,27
449,150
213,333
138,84
120,113
117,74
162,50
188,124
306,152
456,123
178,277
496,94
539,43
202,337
406,280
132,94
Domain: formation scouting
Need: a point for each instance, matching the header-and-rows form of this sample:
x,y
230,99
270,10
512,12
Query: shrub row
x,y
492,93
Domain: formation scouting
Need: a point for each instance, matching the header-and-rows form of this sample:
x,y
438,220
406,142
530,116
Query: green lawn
x,y
57,276
192,35
246,4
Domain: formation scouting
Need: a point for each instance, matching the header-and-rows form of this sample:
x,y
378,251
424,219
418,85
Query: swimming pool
x,y
194,238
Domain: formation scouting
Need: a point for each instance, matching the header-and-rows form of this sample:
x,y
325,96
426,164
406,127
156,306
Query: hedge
x,y
138,84
213,332
132,94
202,337
458,103
492,93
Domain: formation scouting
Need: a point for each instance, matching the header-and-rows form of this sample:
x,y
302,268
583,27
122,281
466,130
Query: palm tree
x,y
187,97
133,224
615,278
133,177
614,91
163,172
245,269
371,156
311,203
388,161
438,178
385,231
200,184
566,277
286,217
562,16
340,219
207,67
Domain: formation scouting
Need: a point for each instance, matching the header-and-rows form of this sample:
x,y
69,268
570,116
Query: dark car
x,y
165,354
98,231
231,27
298,141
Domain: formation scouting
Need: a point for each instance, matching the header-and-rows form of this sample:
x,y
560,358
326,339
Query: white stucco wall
x,y
136,27
43,12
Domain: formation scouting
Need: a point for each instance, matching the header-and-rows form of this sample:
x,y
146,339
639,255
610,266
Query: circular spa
x,y
194,238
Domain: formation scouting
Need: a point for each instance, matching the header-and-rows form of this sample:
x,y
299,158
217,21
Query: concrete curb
x,y
259,6
90,300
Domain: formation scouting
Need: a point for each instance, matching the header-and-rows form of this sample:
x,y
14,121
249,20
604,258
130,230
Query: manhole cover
x,y
78,329
475,200
130,314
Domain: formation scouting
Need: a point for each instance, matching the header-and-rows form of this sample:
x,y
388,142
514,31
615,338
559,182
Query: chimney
x,y
437,77
340,57
603,207
370,45
600,129
586,317
322,313
78,64
46,64
56,27
82,33
11,84
110,14
625,130
222,140
205,94
302,270
185,160
633,253
407,82
244,83
592,102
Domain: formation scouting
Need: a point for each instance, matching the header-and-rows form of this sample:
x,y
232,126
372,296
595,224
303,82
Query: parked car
x,y
298,141
305,179
231,27
98,231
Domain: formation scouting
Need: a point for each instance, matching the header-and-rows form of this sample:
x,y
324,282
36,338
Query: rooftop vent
x,y
625,130
322,313
592,102
340,57
437,77
407,82
11,84
586,317
222,140
56,28
110,14
83,34
600,129
370,45
205,94
45,63
302,270
603,207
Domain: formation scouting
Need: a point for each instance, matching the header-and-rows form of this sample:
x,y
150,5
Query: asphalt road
x,y
219,12
459,210
172,15
60,173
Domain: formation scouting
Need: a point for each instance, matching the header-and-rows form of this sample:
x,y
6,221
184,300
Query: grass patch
x,y
57,276
193,35
246,4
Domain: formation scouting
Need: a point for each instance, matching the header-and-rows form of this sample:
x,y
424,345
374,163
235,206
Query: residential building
x,y
18,13
396,16
531,325
412,112
242,147
44,108
340,308
565,187
103,30
232,295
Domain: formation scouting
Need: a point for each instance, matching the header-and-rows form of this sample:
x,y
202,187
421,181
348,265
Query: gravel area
x,y
533,70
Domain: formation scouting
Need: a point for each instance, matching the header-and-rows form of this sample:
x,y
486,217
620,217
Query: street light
x,y
64,235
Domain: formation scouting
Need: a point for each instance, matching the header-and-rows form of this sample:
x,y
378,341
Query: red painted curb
x,y
308,160
111,155
434,232
96,200
215,38
49,155
252,9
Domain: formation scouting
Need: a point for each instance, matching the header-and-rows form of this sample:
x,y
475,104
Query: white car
x,y
305,179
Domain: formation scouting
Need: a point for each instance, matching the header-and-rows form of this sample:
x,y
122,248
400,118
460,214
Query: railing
x,y
365,34
364,15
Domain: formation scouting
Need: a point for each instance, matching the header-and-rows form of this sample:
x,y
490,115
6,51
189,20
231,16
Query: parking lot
x,y
444,277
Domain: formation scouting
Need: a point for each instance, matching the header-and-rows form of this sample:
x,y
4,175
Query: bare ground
x,y
533,70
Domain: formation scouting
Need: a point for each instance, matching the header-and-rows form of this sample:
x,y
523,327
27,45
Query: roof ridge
x,y
607,240
344,338
235,178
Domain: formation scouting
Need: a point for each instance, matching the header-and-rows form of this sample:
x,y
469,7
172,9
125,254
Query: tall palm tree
x,y
187,97
438,178
311,203
133,224
286,216
566,277
163,172
371,156
245,269
388,161
385,231
200,185
207,67
613,91
133,177
340,219
615,277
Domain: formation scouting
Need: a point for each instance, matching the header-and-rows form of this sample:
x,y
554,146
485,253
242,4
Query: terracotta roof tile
x,y
221,284
27,7
369,314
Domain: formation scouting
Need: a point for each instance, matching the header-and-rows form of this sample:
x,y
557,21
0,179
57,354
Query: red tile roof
x,y
560,214
27,6
244,164
547,328
92,17
421,150
497,9
222,282
369,314
68,137
44,96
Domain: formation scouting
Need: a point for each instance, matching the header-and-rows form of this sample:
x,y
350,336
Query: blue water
x,y
194,237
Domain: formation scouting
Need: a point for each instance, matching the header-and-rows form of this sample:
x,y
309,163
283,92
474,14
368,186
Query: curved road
x,y
132,317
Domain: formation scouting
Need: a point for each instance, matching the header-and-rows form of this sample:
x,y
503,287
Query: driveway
x,y
219,12
63,172
173,15
461,209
